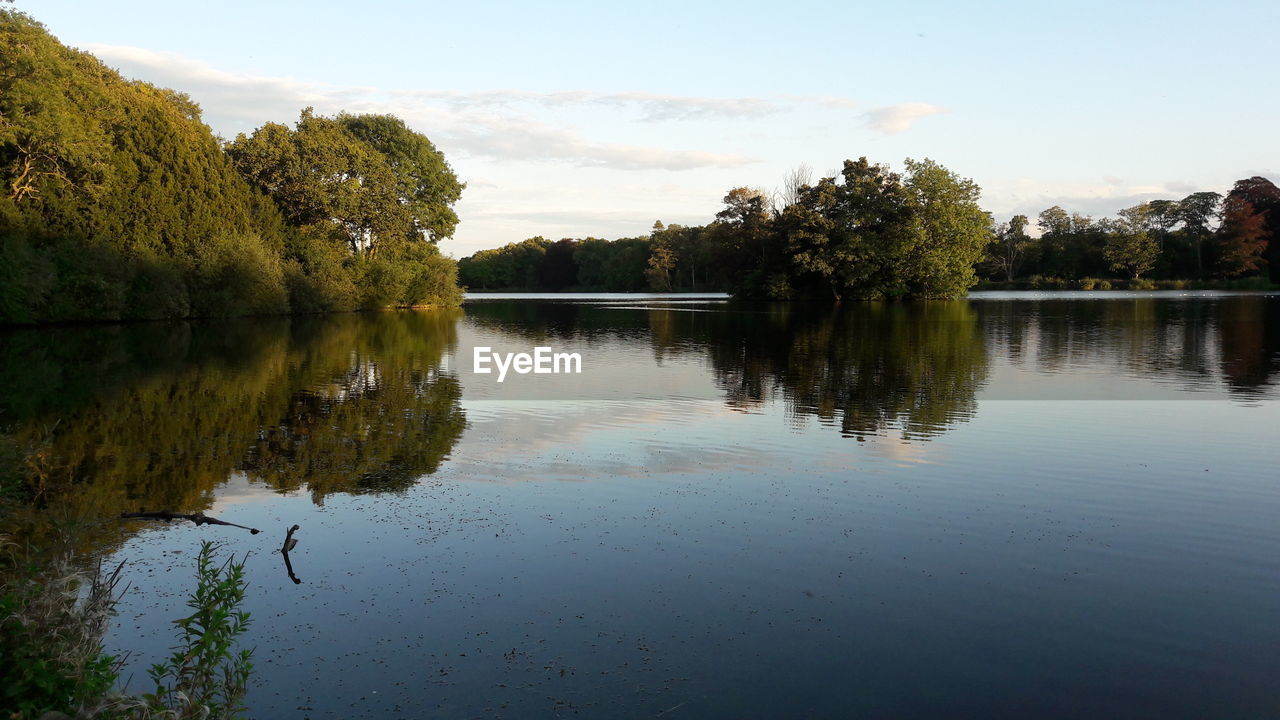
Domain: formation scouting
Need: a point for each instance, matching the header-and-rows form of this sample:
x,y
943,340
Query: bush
x,y
412,275
206,676
1040,282
319,272
51,633
235,276
432,278
26,279
156,292
52,640
91,282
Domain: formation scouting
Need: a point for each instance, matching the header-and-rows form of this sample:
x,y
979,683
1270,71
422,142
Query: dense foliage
x,y
1202,237
870,233
119,203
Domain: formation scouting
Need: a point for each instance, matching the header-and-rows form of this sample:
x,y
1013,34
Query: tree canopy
x,y
118,202
368,175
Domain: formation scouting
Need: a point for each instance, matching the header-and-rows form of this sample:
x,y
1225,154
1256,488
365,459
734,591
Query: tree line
x,y
118,202
1202,237
866,233
871,233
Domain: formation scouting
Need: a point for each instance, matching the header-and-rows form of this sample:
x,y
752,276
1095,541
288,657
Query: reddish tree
x,y
1243,238
1252,242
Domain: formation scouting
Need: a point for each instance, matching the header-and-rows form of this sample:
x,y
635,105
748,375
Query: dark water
x,y
1013,506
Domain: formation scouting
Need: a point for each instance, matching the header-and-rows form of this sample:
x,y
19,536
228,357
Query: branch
x,y
198,518
289,544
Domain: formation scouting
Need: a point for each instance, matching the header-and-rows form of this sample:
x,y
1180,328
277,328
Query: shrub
x,y
51,638
432,278
1040,282
156,292
51,627
206,677
26,279
319,272
91,282
236,276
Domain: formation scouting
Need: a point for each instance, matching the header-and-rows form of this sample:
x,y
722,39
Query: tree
x,y
592,256
876,234
1262,197
852,238
116,201
424,182
792,183
956,230
1131,252
662,260
367,174
1243,238
1071,244
1010,246
1054,222
1196,211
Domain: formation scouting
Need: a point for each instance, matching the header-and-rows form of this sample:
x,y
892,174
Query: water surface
x,y
1010,506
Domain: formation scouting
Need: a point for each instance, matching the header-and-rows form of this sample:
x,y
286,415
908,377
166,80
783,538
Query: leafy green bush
x,y
206,676
319,272
432,278
156,292
1040,282
411,275
235,276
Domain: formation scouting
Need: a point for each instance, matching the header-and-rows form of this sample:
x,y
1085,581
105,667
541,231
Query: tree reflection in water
x,y
154,417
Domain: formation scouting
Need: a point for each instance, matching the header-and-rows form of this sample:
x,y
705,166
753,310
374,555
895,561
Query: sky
x,y
575,119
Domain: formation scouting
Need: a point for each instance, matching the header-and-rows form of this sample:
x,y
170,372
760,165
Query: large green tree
x,y
424,183
874,233
1132,251
955,230
117,200
369,175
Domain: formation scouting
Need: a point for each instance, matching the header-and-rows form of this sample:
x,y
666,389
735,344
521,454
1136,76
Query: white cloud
x,y
894,119
653,106
239,103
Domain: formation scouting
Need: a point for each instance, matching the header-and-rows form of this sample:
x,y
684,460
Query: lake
x,y
1016,505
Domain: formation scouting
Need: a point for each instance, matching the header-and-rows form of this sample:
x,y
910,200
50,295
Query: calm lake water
x,y
1019,505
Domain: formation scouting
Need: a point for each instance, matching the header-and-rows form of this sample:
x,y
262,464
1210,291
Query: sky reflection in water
x,y
733,511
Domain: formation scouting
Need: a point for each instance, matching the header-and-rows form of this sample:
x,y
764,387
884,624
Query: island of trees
x,y
873,234
118,202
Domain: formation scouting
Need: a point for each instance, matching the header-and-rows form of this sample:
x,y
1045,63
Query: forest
x,y
806,239
119,203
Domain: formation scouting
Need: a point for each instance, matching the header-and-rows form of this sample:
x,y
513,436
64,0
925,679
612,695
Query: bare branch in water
x,y
289,544
198,518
